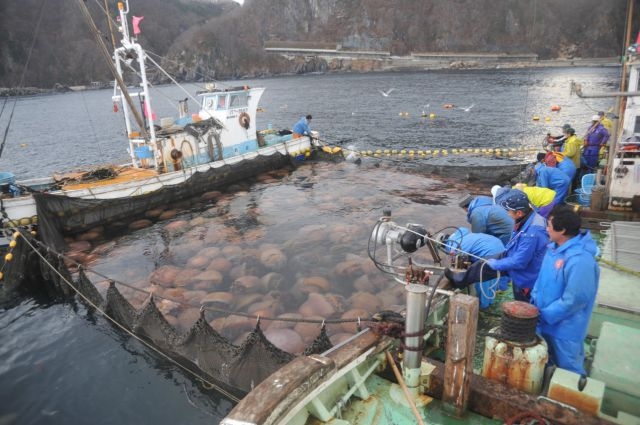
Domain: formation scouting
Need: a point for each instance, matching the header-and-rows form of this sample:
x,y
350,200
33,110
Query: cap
x,y
466,201
566,126
595,118
501,194
515,201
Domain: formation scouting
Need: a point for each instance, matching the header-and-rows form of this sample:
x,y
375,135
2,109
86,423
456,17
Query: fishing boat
x,y
614,193
171,158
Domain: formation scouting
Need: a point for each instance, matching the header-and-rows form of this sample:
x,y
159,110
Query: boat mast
x,y
129,46
110,62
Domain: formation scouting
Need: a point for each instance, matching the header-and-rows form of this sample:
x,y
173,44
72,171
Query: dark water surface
x,y
60,364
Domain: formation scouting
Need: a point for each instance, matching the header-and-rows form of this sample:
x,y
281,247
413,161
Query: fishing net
x,y
235,368
60,215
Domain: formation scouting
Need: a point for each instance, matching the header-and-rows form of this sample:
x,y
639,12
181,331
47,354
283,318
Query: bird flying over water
x,y
386,93
468,108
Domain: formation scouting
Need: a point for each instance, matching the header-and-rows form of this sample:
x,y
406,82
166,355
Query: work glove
x,y
491,262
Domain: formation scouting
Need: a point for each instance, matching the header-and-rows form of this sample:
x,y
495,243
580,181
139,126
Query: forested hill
x,y
221,39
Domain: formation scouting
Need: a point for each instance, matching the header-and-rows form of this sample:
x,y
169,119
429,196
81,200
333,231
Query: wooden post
x,y
461,342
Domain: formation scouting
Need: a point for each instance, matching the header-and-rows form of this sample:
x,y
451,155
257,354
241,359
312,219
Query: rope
x,y
422,153
130,333
91,124
197,306
619,267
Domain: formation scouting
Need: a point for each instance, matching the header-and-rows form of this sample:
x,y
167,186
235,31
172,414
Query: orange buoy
x,y
555,108
449,105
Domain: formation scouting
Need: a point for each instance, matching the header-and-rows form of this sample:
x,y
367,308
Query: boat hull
x,y
85,206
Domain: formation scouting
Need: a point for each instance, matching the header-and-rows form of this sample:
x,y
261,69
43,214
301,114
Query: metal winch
x,y
514,354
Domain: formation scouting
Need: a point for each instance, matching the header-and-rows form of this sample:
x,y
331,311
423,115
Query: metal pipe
x,y
621,103
414,324
612,94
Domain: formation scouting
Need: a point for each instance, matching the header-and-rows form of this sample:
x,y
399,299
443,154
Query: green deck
x,y
387,406
618,300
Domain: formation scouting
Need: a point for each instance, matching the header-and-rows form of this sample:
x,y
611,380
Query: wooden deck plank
x,y
124,175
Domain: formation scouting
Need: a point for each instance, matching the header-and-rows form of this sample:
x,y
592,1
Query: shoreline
x,y
391,64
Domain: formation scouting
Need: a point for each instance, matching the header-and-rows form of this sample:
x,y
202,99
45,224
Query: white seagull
x,y
386,93
468,108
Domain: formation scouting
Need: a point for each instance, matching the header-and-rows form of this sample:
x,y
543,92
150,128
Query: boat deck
x,y
125,174
618,298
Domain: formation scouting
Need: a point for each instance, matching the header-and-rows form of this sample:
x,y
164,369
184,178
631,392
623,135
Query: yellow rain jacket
x,y
572,148
538,196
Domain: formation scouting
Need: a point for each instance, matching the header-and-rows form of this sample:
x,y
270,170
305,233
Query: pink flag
x,y
136,24
148,111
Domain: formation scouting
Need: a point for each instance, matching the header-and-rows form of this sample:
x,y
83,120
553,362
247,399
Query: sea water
x,y
60,363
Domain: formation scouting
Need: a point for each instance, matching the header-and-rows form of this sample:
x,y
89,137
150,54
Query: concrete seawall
x,y
384,61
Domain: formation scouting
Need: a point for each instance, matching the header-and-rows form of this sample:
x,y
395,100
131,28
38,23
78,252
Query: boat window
x,y
239,100
222,102
209,102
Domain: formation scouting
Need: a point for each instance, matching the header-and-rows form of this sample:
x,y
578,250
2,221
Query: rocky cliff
x,y
212,40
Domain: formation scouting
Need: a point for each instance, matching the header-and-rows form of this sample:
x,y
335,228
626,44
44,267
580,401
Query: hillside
x,y
204,40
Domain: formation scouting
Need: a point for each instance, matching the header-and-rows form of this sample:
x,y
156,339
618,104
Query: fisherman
x,y
572,150
565,290
551,178
523,254
542,198
478,245
302,128
558,160
596,138
485,217
556,143
606,122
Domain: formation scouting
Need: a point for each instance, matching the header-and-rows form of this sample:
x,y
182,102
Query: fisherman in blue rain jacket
x,y
566,165
523,254
483,246
566,288
302,128
486,217
553,178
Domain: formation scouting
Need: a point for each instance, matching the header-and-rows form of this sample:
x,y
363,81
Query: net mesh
x,y
236,368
